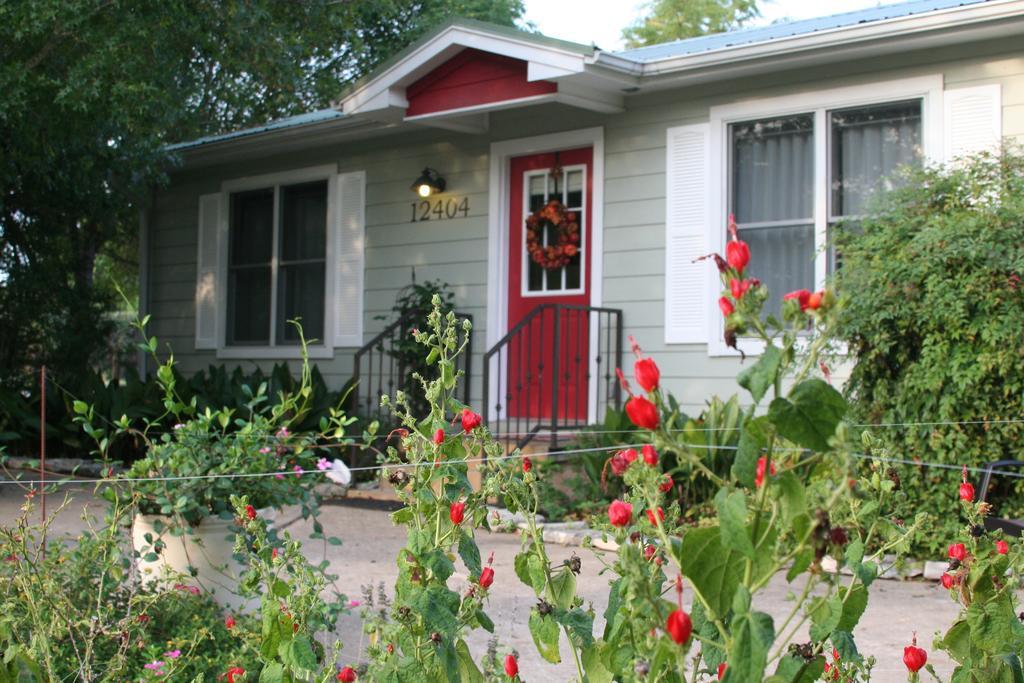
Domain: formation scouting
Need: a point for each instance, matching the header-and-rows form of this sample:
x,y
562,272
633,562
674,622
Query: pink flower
x,y
190,589
354,603
173,654
153,666
297,470
278,476
323,464
283,433
265,450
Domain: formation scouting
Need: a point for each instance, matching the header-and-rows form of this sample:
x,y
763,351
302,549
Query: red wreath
x,y
560,223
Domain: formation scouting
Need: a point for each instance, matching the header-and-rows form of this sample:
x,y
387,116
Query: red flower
x,y
622,460
439,437
814,300
650,455
642,413
679,626
726,307
229,622
620,513
250,512
967,492
958,551
527,464
486,577
966,489
234,671
470,420
457,512
738,288
762,462
947,581
660,516
511,666
647,374
347,675
803,296
1002,547
666,484
914,657
649,551
721,670
737,253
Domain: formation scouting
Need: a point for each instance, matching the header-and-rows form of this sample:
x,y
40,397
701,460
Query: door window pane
x,y
868,144
249,305
772,198
304,221
300,294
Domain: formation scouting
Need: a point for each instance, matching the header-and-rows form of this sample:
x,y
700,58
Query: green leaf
x,y
594,667
732,519
468,672
753,440
853,607
760,377
793,669
825,615
579,623
957,641
562,590
272,673
302,654
753,635
545,636
530,570
843,643
809,415
470,553
714,570
438,563
789,491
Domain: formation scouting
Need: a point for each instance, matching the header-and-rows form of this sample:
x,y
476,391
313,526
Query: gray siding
x,y
455,251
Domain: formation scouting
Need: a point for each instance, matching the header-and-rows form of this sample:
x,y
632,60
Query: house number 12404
x,y
439,209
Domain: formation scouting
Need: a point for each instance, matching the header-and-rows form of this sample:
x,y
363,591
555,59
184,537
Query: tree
x,y
668,20
95,89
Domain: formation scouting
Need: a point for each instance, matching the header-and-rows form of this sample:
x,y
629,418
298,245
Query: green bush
x,y
933,316
139,399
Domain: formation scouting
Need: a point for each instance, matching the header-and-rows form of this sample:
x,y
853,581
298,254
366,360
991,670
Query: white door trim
x,y
497,224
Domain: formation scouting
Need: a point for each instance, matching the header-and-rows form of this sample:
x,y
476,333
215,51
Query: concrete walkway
x,y
371,543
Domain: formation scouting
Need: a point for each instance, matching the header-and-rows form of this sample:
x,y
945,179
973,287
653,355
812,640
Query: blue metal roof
x,y
319,116
789,29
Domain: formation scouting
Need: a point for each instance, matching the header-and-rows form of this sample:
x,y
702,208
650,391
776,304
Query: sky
x,y
602,21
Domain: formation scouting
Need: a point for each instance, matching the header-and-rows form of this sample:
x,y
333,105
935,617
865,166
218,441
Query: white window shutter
x,y
686,231
349,243
208,278
973,120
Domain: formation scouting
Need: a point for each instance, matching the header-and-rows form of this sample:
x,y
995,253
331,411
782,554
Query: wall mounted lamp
x,y
429,182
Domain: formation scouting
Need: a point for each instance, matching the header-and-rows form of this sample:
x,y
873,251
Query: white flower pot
x,y
203,558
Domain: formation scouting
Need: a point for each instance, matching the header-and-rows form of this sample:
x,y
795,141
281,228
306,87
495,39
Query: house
x,y
434,162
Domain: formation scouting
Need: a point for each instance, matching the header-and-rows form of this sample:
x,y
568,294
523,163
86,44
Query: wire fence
x,y
559,453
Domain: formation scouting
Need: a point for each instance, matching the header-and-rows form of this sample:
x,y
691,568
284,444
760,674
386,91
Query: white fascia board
x,y
541,59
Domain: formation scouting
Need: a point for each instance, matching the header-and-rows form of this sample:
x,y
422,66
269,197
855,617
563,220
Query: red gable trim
x,y
473,77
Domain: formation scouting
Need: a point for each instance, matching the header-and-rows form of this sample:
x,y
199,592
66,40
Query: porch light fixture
x,y
429,182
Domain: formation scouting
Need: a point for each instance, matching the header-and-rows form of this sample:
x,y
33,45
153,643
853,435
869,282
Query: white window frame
x,y
818,103
323,348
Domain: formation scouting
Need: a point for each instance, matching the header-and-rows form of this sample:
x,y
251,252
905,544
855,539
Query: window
x,y
775,173
277,248
568,188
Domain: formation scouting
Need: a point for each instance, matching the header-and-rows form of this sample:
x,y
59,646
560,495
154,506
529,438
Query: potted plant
x,y
183,531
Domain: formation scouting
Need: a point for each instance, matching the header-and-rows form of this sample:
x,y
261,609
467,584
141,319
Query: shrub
x,y
934,330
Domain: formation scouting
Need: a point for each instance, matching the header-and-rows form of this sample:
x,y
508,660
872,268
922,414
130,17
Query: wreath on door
x,y
563,235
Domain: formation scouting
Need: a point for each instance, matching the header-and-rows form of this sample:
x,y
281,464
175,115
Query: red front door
x,y
549,266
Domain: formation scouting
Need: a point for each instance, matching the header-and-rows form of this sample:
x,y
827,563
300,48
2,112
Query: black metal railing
x,y
386,363
554,370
